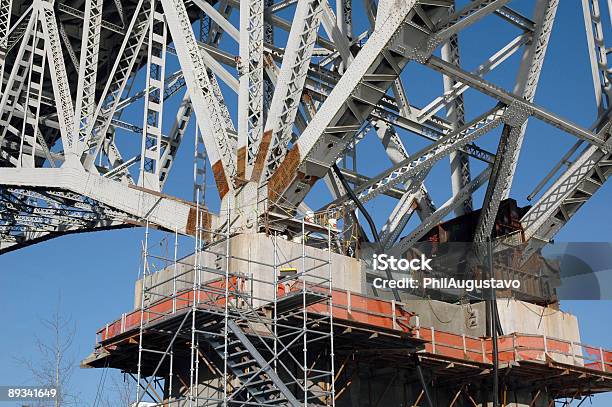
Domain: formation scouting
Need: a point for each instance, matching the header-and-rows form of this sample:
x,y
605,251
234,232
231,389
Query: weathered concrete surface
x,y
253,255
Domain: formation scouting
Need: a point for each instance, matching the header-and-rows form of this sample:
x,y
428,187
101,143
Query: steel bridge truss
x,y
308,88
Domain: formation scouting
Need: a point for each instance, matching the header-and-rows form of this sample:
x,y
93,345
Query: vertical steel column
x,y
275,299
598,53
331,317
304,316
33,93
59,78
118,78
251,95
150,158
344,15
194,294
226,310
170,377
13,90
88,68
268,39
289,87
455,113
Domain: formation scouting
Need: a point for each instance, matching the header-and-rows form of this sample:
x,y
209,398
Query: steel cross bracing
x,y
437,216
18,29
66,42
422,161
416,196
13,91
512,134
364,83
460,164
31,106
59,77
590,166
120,74
205,104
29,217
304,88
287,93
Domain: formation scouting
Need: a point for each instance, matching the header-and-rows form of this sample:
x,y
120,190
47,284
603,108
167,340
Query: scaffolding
x,y
251,319
243,324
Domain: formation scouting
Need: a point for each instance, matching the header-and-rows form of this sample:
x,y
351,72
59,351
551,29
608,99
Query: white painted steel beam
x,y
151,147
251,95
205,103
511,140
218,18
423,160
88,69
373,71
455,114
59,79
167,212
122,68
288,91
5,25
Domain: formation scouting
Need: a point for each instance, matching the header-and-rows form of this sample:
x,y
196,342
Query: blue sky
x,y
94,273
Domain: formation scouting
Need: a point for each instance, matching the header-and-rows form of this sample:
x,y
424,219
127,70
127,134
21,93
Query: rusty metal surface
x,y
220,179
284,174
260,160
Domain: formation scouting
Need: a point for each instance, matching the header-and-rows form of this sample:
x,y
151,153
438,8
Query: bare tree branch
x,y
54,363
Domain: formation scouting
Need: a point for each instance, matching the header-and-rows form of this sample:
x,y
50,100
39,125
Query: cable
x,y
436,315
554,311
352,195
369,219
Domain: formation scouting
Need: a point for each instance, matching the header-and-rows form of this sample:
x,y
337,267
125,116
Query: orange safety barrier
x,y
453,345
346,306
370,311
213,296
515,347
385,314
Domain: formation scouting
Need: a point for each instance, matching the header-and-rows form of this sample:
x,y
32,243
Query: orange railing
x,y
515,347
392,315
346,306
212,295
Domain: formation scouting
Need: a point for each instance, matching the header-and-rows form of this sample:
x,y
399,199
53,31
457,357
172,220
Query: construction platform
x,y
375,343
